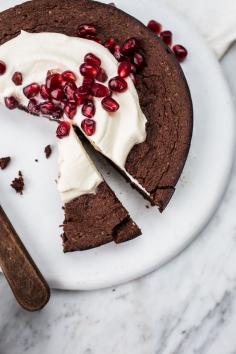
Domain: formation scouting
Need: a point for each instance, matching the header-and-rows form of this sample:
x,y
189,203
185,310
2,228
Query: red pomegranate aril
x,y
138,60
88,126
57,113
69,91
33,106
31,90
154,26
89,70
180,52
88,81
81,94
109,104
99,90
44,92
63,130
117,84
92,59
117,53
88,109
130,46
101,75
11,102
110,43
124,69
54,81
47,108
3,67
166,36
17,78
70,110
57,94
69,76
87,29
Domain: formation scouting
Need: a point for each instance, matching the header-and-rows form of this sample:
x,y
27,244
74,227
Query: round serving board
x,y
37,214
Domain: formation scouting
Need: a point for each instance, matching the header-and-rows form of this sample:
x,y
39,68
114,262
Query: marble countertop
x,y
186,307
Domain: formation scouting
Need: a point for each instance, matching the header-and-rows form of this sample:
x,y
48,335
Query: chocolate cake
x,y
150,149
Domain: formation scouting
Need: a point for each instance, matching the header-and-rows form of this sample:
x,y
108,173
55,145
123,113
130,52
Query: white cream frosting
x,y
78,175
34,54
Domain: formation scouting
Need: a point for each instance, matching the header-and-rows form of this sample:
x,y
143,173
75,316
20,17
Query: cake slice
x,y
93,214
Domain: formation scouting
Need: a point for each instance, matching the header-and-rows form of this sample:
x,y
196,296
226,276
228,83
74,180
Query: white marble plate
x,y
38,213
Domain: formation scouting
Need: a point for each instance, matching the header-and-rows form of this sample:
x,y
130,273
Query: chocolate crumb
x,y
36,160
18,183
147,206
4,162
48,151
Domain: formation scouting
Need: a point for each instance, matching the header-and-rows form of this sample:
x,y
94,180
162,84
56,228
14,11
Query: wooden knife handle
x,y
27,283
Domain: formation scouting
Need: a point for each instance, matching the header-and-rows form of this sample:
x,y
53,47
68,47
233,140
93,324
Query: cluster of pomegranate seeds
x,y
180,51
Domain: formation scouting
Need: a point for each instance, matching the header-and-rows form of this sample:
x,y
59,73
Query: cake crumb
x,y
48,151
18,183
147,206
36,160
4,162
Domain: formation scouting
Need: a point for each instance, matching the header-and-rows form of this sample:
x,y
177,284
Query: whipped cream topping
x,y
33,54
78,175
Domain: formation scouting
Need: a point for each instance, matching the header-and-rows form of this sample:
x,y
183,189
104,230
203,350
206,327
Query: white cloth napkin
x,y
214,19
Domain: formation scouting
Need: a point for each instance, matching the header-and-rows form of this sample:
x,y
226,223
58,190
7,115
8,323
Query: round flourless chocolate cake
x,y
163,92
157,163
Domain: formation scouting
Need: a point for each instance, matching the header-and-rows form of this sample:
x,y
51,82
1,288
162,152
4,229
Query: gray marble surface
x,y
187,307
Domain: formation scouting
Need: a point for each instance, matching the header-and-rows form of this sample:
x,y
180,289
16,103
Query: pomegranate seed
x,y
88,126
130,46
17,78
138,60
31,90
33,106
117,84
69,91
68,76
101,75
99,90
44,92
124,69
81,94
110,44
3,67
117,53
63,130
57,113
57,94
92,59
11,102
166,36
54,81
86,29
180,52
89,70
47,108
88,109
109,104
70,110
88,81
154,26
